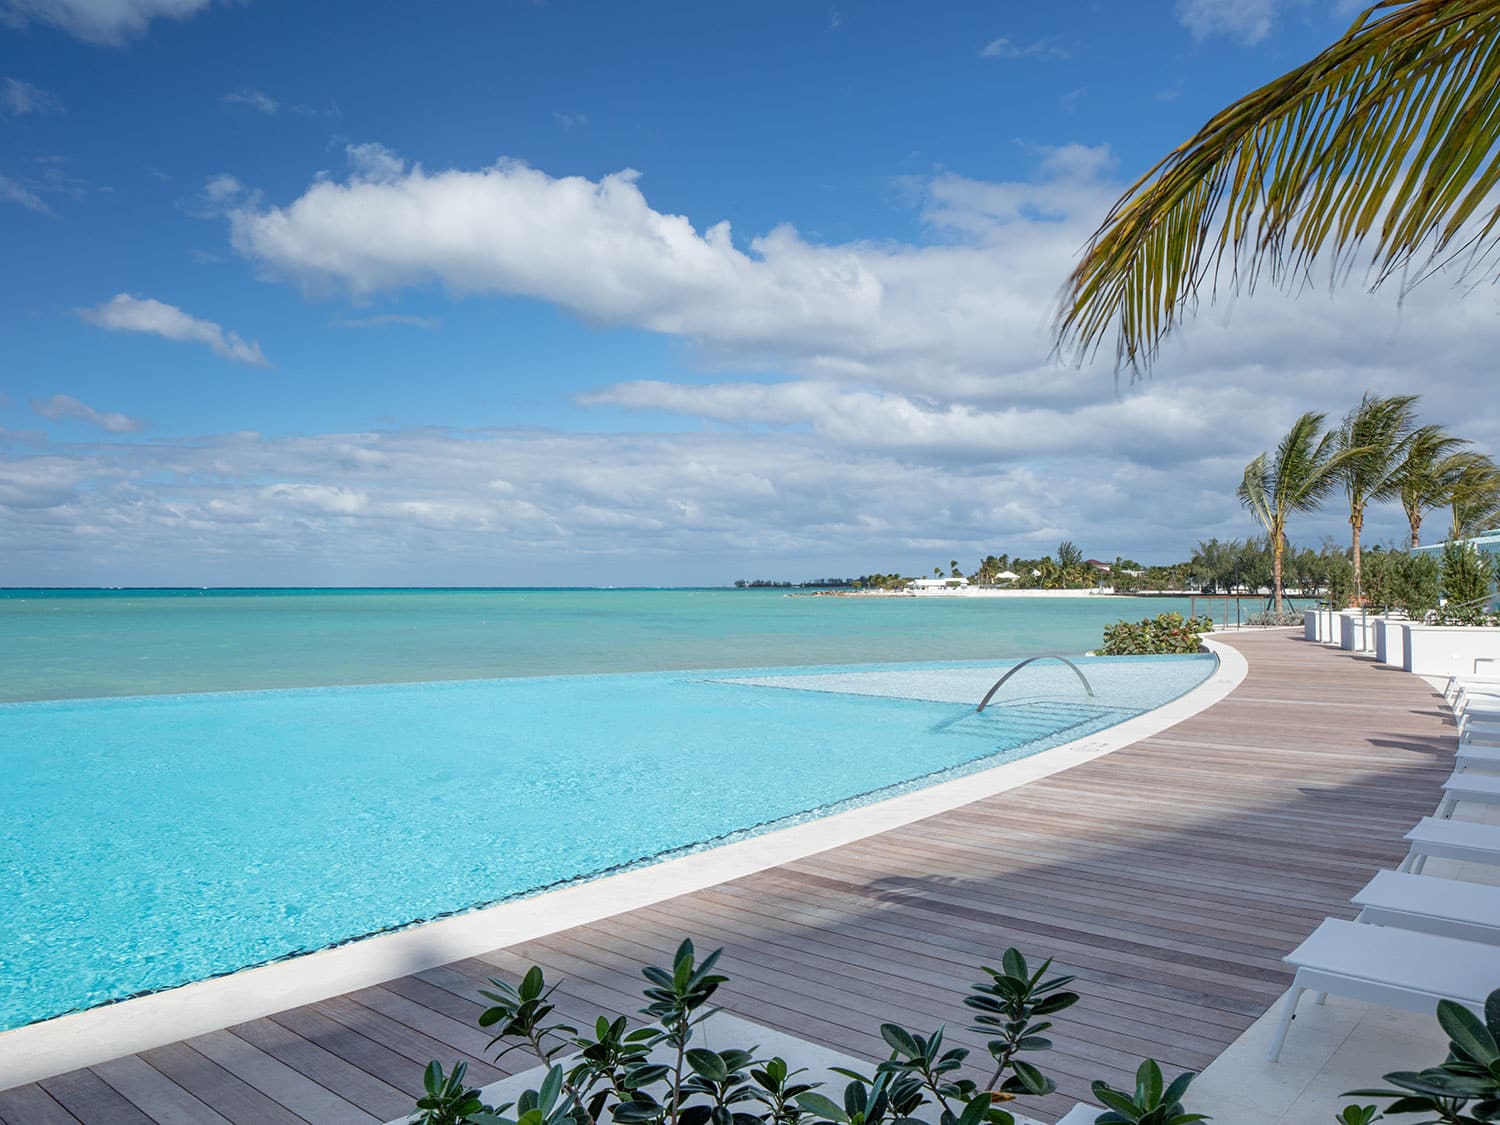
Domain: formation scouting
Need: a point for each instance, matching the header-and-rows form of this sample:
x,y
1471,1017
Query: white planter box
x,y
1327,626
1333,629
1451,650
1310,625
1390,642
1354,631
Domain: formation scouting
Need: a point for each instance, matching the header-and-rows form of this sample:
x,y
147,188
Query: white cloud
x,y
571,120
254,99
19,98
374,163
1249,21
66,406
12,191
1047,50
107,22
125,313
947,315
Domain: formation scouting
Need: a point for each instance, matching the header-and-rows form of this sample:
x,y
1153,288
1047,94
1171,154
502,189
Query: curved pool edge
x,y
41,1050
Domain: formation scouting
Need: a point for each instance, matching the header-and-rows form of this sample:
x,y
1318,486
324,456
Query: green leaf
x,y
1178,1088
1148,1084
708,1064
551,1086
1467,1032
899,1039
1031,1079
975,1111
1055,1003
822,1107
1115,1100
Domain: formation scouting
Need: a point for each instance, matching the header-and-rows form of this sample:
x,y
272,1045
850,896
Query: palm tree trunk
x,y
1416,530
1276,570
1357,521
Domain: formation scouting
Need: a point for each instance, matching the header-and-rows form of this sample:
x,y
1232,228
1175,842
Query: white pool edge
x,y
55,1046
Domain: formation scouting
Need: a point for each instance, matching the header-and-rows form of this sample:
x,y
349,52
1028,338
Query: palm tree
x,y
1475,497
1385,139
1374,440
1302,471
1425,479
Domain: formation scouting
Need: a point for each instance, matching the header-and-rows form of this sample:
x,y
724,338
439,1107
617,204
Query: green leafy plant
x,y
448,1100
1338,581
1151,1103
1166,633
1464,1089
1414,584
657,1074
1466,577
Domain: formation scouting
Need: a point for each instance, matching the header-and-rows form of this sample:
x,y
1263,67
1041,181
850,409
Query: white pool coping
x,y
80,1039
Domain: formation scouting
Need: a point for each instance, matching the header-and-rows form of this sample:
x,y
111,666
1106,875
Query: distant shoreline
x,y
961,592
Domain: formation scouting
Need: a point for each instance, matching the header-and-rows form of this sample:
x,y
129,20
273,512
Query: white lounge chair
x,y
1475,713
1386,965
1485,734
1081,1114
1462,840
1475,755
1457,685
1465,787
1448,907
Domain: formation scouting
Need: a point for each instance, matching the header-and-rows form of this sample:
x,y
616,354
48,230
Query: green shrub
x,y
652,1074
1271,617
1379,576
1166,633
1415,584
1339,581
1466,585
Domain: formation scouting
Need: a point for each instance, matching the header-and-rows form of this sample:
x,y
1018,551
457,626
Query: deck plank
x,y
155,1095
89,1098
1171,876
32,1105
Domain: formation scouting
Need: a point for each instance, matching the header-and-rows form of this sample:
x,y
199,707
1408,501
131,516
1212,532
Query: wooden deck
x,y
1171,876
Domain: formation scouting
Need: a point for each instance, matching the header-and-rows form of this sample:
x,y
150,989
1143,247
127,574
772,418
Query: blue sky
x,y
516,292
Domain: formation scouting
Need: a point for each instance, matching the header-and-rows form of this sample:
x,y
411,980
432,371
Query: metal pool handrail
x,y
1000,683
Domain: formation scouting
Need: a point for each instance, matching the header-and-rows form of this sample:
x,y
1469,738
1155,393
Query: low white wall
x,y
1451,650
1390,642
1310,625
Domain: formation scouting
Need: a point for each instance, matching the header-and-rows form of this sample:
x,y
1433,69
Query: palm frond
x,y
1425,479
1256,491
1307,464
1475,496
1375,437
1384,143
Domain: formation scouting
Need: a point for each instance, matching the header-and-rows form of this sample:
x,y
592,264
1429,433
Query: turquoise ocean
x,y
69,644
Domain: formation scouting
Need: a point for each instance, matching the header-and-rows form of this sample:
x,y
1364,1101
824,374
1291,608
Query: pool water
x,y
151,841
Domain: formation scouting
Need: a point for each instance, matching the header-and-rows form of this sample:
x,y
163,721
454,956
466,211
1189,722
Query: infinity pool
x,y
156,840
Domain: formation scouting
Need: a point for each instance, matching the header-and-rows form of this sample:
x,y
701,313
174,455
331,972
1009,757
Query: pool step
x,y
1016,724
